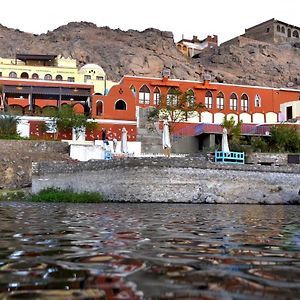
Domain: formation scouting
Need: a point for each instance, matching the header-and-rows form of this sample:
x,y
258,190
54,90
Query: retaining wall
x,y
182,179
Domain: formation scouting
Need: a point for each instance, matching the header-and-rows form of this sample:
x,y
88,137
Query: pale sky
x,y
225,18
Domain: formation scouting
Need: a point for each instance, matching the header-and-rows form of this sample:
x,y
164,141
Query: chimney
x,y
195,38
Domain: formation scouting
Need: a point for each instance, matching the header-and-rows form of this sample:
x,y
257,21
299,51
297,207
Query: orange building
x,y
257,107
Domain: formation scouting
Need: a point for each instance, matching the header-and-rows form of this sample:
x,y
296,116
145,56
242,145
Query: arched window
x,y
24,75
133,90
244,103
184,48
48,77
257,101
58,77
233,101
208,100
120,105
295,34
179,46
282,29
35,76
172,96
144,95
220,100
190,97
289,32
99,108
156,96
278,28
12,74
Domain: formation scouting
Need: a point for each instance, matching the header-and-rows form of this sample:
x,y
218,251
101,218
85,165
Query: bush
x,y
58,195
8,127
258,144
285,138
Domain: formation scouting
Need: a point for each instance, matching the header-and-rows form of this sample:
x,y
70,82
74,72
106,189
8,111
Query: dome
x,y
92,68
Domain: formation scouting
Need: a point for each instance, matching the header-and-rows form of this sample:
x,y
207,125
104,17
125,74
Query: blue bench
x,y
230,157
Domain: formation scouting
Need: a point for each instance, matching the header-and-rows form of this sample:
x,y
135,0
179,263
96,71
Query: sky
x,y
225,18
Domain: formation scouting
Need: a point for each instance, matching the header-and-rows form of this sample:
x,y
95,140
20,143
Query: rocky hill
x,y
146,53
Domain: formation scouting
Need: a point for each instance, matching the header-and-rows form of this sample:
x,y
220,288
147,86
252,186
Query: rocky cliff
x,y
146,53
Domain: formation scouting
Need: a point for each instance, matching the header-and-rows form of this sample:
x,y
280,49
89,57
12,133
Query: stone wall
x,y
185,179
17,156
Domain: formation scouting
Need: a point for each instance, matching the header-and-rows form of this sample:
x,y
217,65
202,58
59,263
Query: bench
x,y
230,157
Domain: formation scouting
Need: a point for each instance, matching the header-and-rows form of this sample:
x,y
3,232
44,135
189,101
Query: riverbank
x,y
173,180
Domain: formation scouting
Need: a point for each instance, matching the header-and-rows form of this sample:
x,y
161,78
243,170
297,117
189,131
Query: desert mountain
x,y
146,53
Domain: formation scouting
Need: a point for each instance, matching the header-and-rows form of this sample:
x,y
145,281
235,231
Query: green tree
x,y
284,138
8,127
176,107
67,119
234,132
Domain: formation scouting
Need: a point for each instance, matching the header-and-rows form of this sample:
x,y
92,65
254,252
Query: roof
x,y
35,57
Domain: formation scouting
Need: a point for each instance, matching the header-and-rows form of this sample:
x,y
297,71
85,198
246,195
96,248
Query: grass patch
x,y
12,195
58,195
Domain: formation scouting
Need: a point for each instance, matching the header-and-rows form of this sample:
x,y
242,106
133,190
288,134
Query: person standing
x,y
115,143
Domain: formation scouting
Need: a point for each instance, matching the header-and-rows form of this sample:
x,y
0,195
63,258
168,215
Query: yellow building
x,y
54,67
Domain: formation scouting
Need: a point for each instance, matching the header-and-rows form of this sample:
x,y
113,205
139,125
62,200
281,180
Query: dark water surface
x,y
149,251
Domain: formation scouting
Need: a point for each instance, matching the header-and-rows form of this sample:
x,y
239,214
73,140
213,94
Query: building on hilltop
x,y
192,48
273,31
54,68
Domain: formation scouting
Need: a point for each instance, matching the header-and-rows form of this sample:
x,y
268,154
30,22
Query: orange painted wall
x,y
118,92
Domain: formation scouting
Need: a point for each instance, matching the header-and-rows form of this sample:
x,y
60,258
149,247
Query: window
x,y
257,101
0,74
233,101
58,77
220,101
133,90
208,100
156,96
244,103
24,75
282,29
190,97
99,108
278,28
71,79
144,95
295,34
48,77
99,77
12,75
87,77
120,105
268,29
289,32
35,76
172,97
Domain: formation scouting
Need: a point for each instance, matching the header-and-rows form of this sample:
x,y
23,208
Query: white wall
x,y
206,117
219,118
295,107
258,118
246,118
271,118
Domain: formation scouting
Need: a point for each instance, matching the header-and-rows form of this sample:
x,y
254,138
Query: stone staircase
x,y
148,135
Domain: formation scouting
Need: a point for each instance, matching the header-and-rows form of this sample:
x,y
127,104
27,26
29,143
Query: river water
x,y
149,251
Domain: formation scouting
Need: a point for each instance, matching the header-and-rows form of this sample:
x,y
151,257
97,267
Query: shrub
x,y
8,127
258,144
59,195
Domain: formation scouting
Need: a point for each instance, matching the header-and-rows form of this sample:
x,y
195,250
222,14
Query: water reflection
x,y
149,251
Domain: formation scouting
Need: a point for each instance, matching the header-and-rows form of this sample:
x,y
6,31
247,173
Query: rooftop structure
x,y
195,46
273,31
